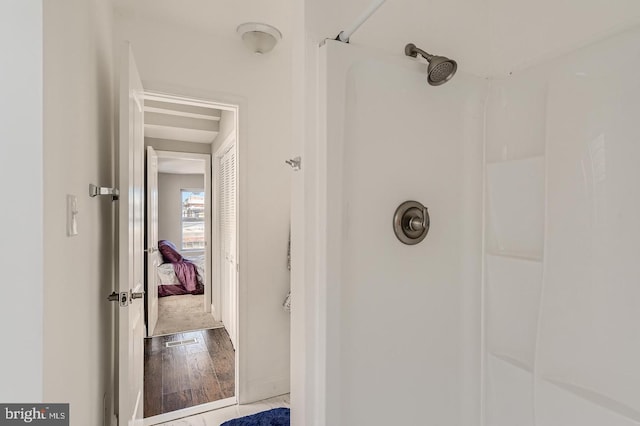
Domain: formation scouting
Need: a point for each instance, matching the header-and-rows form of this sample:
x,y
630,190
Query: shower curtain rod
x,y
345,35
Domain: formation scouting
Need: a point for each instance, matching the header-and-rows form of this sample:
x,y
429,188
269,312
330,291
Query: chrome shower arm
x,y
413,51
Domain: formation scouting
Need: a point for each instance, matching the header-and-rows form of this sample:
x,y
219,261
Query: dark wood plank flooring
x,y
184,376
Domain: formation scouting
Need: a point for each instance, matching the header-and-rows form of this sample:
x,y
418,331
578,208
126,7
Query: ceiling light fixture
x,y
259,38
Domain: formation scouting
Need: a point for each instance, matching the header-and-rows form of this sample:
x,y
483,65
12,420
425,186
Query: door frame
x,y
208,218
152,253
239,105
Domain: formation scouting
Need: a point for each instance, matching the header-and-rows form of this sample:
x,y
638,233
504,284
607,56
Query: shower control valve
x,y
411,222
418,222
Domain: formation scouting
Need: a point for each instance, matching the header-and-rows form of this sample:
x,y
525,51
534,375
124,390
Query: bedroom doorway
x,y
179,236
190,358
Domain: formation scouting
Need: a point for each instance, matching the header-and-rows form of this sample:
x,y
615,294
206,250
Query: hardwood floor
x,y
187,375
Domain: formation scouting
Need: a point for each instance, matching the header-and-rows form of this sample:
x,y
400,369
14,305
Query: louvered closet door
x,y
227,191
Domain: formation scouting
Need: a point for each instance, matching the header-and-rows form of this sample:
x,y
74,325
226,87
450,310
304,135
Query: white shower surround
x,y
391,138
552,268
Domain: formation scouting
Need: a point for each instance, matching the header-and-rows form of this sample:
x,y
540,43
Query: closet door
x,y
228,218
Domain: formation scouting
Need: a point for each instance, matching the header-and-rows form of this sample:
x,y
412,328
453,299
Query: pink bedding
x,y
186,271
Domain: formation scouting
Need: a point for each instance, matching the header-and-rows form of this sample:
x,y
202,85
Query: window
x,y
192,219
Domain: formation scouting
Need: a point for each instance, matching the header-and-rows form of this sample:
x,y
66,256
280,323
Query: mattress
x,y
167,276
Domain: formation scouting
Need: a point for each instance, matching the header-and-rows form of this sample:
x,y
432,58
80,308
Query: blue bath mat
x,y
275,417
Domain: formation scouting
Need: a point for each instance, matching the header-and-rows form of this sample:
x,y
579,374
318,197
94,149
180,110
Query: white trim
x,y
176,113
164,97
190,411
184,155
224,147
215,236
483,270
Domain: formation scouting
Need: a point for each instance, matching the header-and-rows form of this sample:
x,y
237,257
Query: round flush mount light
x,y
259,38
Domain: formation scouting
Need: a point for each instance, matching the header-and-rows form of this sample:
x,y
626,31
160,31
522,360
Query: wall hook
x,y
295,163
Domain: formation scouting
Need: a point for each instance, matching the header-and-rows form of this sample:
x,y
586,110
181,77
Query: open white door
x,y
130,244
153,257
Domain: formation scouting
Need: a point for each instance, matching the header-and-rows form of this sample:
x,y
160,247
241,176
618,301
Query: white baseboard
x,y
264,389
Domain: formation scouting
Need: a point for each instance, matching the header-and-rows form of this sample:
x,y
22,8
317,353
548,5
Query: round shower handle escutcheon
x,y
411,222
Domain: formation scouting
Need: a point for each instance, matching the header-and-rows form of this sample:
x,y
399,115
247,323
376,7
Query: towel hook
x,y
295,163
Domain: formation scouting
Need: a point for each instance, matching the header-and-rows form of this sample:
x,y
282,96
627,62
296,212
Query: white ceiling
x,y
174,120
181,166
220,17
486,37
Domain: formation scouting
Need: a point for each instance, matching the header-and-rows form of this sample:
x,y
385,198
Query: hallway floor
x,y
177,314
200,370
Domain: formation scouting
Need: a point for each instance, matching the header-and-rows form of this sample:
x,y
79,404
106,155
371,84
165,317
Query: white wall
x,y
523,33
227,125
204,64
169,205
487,38
78,143
21,132
303,379
562,300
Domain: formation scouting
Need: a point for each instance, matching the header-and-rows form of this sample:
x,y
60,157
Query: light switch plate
x,y
72,215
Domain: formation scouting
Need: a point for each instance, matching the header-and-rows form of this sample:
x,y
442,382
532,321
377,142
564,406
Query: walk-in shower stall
x,y
400,323
521,306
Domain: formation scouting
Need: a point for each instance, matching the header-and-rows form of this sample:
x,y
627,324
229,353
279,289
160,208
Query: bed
x,y
177,274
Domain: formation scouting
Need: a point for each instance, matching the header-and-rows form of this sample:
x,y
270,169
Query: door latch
x,y
122,298
138,295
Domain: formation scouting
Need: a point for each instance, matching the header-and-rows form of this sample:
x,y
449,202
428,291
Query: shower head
x,y
440,69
